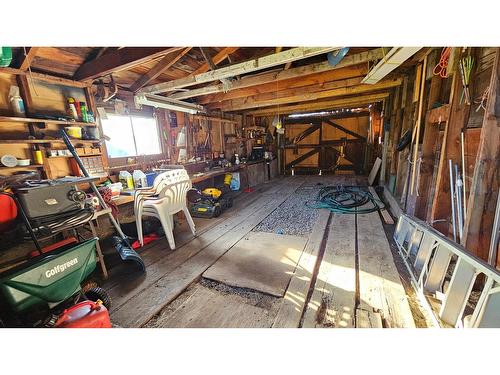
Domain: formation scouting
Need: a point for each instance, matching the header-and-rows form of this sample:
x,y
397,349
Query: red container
x,y
86,314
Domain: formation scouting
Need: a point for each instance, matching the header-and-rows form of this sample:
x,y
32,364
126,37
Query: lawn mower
x,y
208,203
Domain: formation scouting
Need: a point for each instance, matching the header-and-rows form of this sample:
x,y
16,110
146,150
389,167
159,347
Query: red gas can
x,y
86,314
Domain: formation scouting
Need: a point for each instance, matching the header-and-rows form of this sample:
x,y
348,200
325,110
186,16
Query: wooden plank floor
x,y
188,262
337,292
332,303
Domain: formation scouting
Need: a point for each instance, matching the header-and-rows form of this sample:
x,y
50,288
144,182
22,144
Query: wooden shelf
x,y
39,120
70,156
47,141
33,166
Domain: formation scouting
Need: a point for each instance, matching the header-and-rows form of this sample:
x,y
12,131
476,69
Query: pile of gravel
x,y
293,217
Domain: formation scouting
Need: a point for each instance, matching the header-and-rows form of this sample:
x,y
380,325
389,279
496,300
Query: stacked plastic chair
x,y
165,198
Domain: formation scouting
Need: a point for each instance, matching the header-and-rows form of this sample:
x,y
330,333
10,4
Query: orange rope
x,y
440,68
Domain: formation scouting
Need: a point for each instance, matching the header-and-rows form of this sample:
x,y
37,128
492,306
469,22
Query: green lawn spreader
x,y
39,292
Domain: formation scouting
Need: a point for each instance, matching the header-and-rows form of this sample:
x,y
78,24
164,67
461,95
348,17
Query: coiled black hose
x,y
346,200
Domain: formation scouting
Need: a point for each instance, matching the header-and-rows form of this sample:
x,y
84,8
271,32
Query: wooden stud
x,y
484,189
419,120
431,136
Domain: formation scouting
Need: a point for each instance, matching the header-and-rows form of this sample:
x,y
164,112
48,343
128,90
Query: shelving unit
x,y
23,135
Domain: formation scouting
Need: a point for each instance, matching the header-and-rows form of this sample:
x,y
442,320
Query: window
x,y
131,136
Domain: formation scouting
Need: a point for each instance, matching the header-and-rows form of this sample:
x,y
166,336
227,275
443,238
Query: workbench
x,y
255,177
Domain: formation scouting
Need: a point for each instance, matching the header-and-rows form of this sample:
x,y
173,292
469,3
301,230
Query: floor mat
x,y
259,261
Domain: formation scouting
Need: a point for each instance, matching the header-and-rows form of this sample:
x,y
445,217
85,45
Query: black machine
x,y
208,204
257,153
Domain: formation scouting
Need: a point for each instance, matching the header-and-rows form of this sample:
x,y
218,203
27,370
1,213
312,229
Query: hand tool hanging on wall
x,y
465,65
121,243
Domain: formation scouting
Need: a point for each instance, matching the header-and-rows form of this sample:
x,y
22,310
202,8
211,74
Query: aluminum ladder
x,y
443,274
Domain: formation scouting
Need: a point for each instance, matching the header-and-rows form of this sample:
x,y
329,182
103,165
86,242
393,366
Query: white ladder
x,y
430,257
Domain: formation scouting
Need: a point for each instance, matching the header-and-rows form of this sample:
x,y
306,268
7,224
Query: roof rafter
x,y
158,69
218,58
120,59
27,57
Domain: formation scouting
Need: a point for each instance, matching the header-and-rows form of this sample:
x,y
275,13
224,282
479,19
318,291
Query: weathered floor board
x,y
332,303
380,288
294,301
207,308
139,309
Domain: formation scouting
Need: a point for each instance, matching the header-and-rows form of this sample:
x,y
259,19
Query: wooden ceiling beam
x,y
254,65
267,77
27,58
323,105
295,96
287,92
158,69
318,80
120,59
218,58
44,77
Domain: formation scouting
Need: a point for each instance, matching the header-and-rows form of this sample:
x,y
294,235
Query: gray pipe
x,y
452,191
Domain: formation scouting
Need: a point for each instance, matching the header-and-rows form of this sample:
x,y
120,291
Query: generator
x,y
208,203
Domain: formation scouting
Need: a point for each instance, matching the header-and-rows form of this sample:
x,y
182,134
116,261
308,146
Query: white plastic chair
x,y
166,198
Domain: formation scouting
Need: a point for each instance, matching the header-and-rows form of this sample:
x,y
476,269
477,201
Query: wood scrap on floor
x,y
374,171
332,303
260,261
385,214
368,319
295,297
379,284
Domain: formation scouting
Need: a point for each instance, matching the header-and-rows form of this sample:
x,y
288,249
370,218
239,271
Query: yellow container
x,y
227,178
37,155
74,131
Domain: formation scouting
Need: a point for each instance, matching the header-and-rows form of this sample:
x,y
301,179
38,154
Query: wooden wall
x,y
445,117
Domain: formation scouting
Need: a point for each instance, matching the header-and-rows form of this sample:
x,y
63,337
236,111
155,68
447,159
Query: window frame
x,y
122,160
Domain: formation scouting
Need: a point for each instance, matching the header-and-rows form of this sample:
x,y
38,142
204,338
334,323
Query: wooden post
x,y
459,116
431,135
484,188
419,120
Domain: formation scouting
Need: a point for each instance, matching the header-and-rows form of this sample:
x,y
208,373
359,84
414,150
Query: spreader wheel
x,y
96,293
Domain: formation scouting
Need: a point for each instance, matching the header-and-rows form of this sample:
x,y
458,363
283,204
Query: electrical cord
x,y
441,68
346,200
